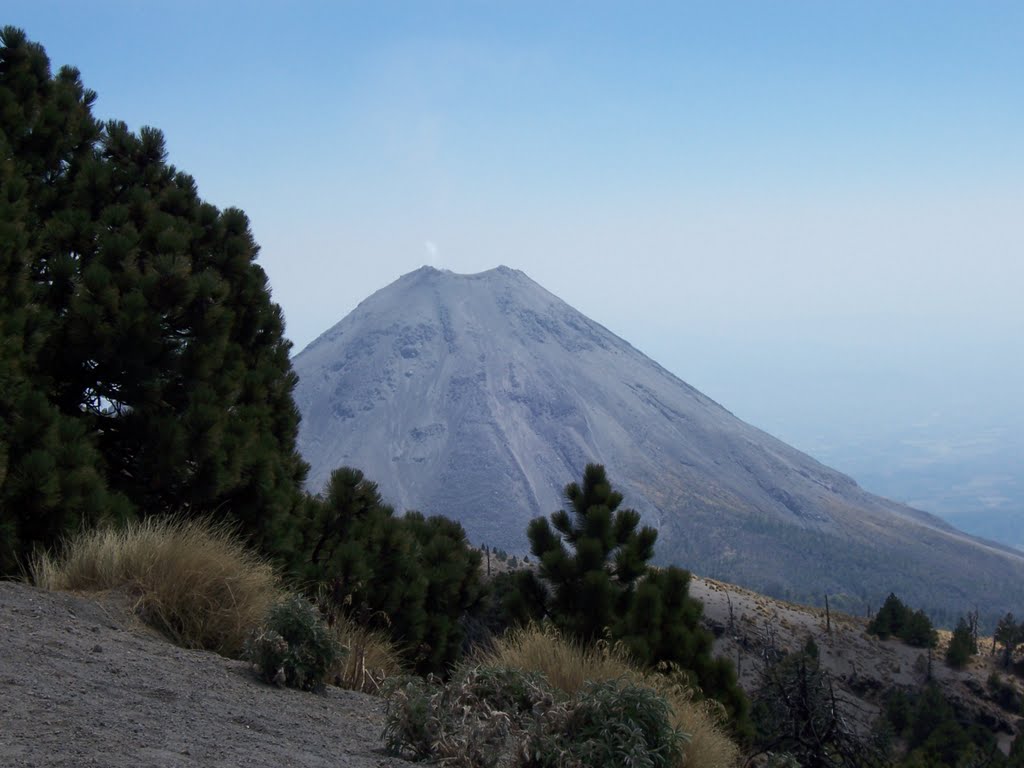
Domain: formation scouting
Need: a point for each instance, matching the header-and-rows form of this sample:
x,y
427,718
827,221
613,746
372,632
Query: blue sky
x,y
812,211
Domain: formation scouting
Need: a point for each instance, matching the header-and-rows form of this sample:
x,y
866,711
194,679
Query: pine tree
x,y
146,365
662,623
897,619
451,568
961,645
1009,634
592,585
891,618
510,599
594,582
49,481
414,576
919,631
364,558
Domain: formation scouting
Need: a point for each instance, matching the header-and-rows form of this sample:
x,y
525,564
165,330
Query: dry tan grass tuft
x,y
567,665
372,657
193,580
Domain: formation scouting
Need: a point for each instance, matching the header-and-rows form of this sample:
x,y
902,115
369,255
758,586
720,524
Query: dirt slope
x,y
864,667
82,683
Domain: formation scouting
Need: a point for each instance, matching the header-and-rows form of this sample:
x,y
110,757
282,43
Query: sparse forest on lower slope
x,y
890,695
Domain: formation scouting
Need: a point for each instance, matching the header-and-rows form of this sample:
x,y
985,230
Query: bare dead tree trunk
x,y
972,623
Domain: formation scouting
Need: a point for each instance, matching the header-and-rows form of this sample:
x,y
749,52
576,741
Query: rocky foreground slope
x,y
83,683
480,396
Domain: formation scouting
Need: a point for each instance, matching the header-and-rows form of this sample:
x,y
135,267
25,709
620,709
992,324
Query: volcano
x,y
479,397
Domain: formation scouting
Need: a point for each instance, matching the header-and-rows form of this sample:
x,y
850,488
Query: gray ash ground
x,y
83,683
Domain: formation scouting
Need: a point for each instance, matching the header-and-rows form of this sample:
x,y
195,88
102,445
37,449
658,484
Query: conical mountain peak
x,y
481,396
499,271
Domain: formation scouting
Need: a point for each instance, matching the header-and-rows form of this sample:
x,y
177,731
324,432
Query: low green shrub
x,y
413,722
781,761
1005,694
294,647
608,724
494,716
473,721
568,665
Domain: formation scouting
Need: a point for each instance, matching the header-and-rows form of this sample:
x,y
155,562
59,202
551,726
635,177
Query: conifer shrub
x,y
1005,694
1010,634
961,646
294,647
193,580
454,588
511,599
896,619
414,577
938,731
594,581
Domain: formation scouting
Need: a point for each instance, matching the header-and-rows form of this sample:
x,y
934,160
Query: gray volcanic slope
x,y
480,396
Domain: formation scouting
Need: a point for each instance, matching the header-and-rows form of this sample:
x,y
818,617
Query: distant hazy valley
x,y
972,480
928,429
